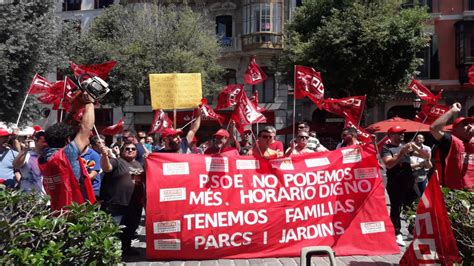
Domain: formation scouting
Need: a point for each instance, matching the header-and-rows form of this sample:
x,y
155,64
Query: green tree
x,y
361,47
151,39
33,39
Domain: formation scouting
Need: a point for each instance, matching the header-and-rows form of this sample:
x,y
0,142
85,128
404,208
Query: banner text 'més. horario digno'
x,y
209,207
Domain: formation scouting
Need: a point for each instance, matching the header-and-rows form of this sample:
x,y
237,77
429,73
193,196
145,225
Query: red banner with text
x,y
210,207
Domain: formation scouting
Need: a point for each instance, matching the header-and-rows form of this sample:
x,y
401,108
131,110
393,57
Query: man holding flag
x,y
457,149
64,174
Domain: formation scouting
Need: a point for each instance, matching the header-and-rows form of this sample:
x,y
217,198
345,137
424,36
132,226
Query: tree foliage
x,y
33,39
361,47
151,38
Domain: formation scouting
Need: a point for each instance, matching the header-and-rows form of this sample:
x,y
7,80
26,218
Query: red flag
x,y
362,134
245,112
433,238
39,85
207,111
430,112
160,122
351,107
58,94
228,95
100,70
470,74
254,74
254,100
308,81
423,92
383,141
113,129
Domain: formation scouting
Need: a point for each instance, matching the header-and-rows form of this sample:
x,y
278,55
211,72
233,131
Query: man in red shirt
x,y
457,149
220,144
274,143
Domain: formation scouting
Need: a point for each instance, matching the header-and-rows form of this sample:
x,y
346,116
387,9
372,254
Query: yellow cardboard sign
x,y
175,91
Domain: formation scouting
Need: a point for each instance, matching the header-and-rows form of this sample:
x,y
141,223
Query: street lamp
x,y
416,102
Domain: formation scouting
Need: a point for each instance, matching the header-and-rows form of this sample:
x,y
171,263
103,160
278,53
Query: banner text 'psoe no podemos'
x,y
209,207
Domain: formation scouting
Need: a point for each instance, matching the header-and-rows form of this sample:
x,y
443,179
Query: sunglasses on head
x,y
130,149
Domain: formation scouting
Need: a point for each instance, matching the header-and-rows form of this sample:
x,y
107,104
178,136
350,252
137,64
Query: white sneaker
x,y
400,241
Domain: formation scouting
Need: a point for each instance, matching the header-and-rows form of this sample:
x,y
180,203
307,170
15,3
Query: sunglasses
x,y
266,137
300,127
303,137
130,149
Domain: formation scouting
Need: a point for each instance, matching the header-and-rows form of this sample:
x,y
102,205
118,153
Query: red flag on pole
x,y
254,74
351,107
433,238
430,112
245,112
470,74
362,134
39,85
383,141
113,129
160,122
100,70
254,100
423,92
227,97
308,81
207,111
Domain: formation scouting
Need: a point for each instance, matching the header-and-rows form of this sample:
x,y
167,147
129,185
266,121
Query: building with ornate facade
x,y
256,27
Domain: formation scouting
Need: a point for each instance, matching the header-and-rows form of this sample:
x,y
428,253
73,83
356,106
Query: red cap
x,y
222,132
4,132
396,129
461,120
170,131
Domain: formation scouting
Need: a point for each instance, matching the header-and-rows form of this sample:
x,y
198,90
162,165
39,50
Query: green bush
x,y
460,206
31,234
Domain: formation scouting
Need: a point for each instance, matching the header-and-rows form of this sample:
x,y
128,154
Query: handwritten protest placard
x,y
175,91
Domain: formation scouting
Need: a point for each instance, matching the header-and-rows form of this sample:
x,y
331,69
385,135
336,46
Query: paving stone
x,y
289,261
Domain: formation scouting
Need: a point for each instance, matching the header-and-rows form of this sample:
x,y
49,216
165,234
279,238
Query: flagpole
x,y
21,110
62,99
174,118
294,102
95,130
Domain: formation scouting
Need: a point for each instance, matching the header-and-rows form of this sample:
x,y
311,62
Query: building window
x,y
430,67
224,30
262,17
230,76
103,3
70,5
471,5
266,89
142,97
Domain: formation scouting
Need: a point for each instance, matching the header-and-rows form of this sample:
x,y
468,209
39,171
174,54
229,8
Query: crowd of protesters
x,y
71,166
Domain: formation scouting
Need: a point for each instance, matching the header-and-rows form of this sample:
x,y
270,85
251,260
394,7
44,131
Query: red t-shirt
x,y
277,146
224,151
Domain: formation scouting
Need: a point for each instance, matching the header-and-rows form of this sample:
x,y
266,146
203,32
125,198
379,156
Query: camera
x,y
96,87
31,145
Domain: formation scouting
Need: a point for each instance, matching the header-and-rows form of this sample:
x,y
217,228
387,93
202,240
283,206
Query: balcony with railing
x,y
229,44
262,40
